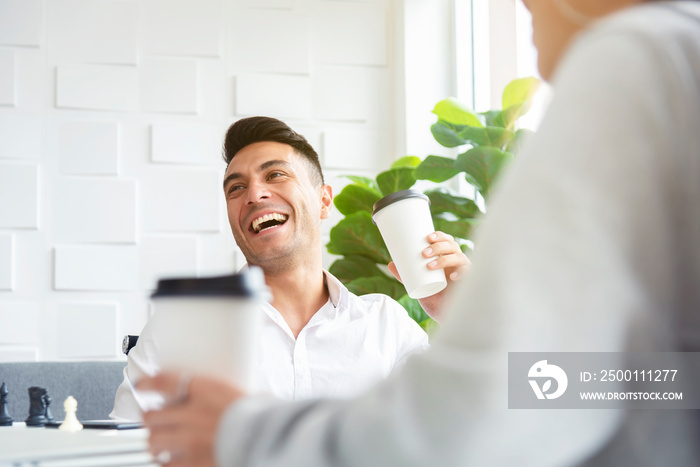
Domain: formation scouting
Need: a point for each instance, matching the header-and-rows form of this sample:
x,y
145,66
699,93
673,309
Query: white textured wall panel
x,y
214,91
277,96
21,136
33,85
351,35
182,27
19,196
85,31
19,323
269,42
355,149
86,210
181,200
88,147
187,143
111,132
276,4
100,87
86,330
169,85
21,22
164,257
8,78
18,354
96,268
7,263
340,93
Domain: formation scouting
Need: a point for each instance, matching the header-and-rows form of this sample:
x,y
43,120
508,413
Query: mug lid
x,y
397,196
247,283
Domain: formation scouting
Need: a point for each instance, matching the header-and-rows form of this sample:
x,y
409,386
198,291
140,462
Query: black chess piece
x,y
5,419
37,407
48,414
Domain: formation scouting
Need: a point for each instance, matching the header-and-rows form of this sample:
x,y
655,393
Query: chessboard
x,y
42,447
93,384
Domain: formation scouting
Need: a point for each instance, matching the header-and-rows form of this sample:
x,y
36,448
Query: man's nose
x,y
257,192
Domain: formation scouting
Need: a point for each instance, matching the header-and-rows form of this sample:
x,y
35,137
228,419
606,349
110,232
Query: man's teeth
x,y
276,217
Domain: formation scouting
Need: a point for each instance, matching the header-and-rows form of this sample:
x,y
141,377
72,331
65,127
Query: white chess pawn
x,y
70,423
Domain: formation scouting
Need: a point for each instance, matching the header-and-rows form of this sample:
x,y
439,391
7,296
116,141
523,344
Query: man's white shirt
x,y
348,345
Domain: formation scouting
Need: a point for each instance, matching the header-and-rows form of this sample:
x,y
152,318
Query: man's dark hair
x,y
260,129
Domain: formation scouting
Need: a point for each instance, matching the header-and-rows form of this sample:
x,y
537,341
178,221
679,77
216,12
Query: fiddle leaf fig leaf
x,y
430,326
355,198
356,234
415,311
486,136
517,100
406,161
519,91
442,201
508,117
487,140
459,228
446,135
350,268
482,166
490,116
453,111
436,169
377,284
516,144
364,181
395,180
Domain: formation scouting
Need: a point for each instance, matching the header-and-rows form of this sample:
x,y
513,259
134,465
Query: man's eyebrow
x,y
265,165
268,164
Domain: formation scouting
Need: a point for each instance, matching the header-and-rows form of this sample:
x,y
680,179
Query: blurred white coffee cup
x,y
210,325
405,222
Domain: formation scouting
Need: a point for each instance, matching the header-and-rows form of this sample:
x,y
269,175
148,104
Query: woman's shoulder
x,y
660,20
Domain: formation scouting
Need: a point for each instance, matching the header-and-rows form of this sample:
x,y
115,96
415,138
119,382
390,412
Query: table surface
x,y
49,447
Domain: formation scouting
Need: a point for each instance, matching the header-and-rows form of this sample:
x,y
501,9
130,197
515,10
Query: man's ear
x,y
326,201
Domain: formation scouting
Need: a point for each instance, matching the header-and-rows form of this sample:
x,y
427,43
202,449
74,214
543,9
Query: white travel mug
x,y
210,325
404,221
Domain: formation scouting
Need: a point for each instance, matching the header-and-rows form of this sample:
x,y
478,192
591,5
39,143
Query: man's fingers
x,y
447,262
177,447
441,248
185,431
185,435
167,416
440,237
447,255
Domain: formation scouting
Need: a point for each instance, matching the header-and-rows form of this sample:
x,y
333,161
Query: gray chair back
x,y
93,384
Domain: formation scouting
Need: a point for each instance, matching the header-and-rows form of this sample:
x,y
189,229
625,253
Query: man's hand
x,y
184,432
451,259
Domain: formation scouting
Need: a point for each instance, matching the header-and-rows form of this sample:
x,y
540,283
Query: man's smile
x,y
268,221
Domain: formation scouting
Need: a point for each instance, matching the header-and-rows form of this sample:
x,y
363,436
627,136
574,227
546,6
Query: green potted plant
x,y
487,141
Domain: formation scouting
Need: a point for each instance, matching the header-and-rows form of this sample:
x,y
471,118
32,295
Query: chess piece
x,y
70,423
37,407
5,419
48,414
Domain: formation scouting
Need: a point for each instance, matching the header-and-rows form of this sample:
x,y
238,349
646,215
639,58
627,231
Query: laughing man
x,y
319,339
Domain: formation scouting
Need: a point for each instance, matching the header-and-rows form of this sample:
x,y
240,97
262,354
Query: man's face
x,y
274,208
